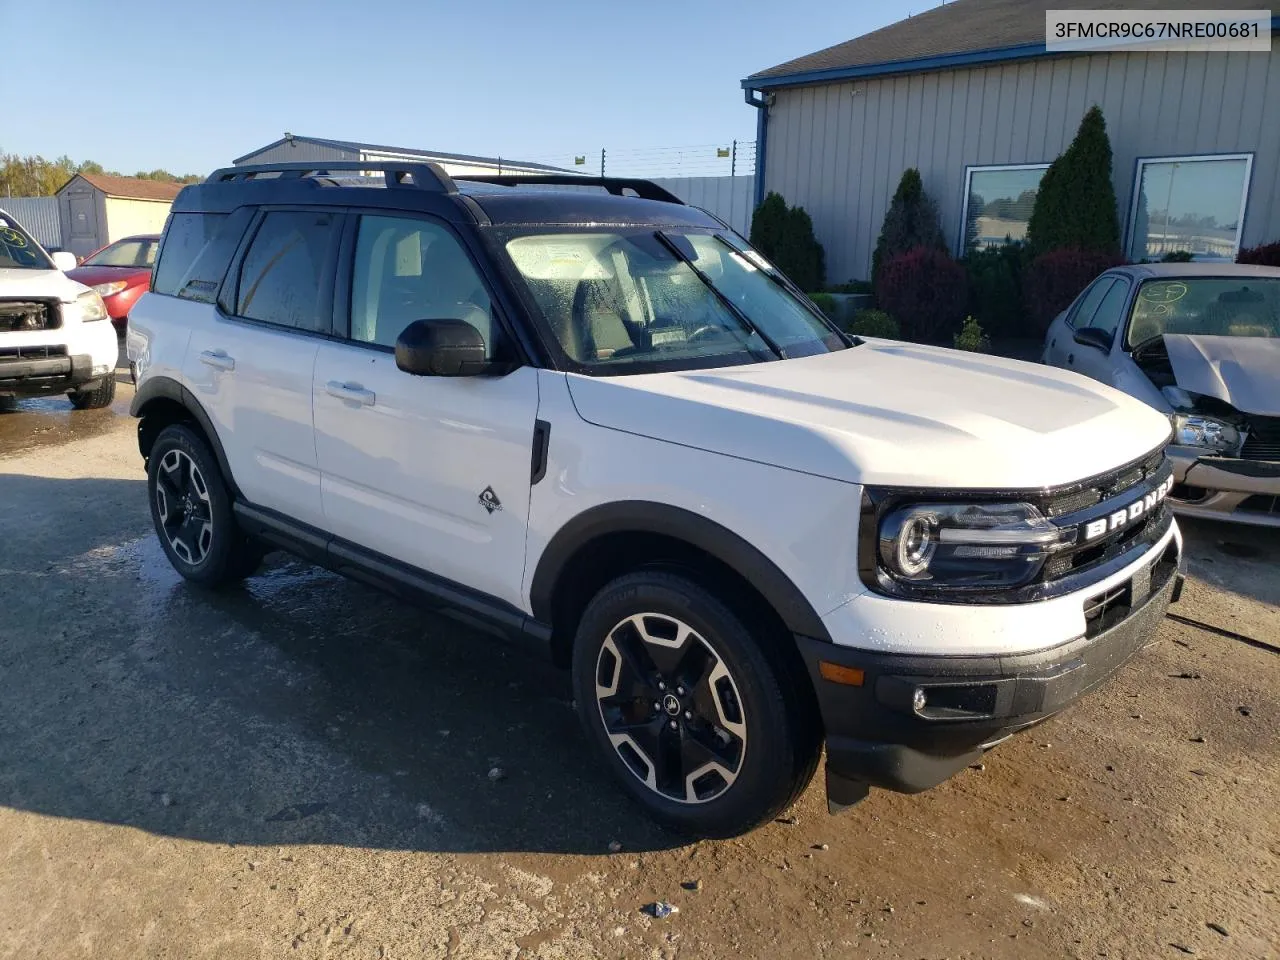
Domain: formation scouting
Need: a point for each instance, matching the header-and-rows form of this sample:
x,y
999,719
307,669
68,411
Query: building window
x,y
997,203
1192,204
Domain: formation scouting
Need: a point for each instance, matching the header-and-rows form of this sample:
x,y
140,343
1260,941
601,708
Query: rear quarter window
x,y
196,251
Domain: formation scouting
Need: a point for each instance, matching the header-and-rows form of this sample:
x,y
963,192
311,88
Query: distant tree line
x,y
34,176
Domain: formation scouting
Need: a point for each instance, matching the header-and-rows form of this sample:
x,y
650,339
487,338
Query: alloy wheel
x,y
671,708
182,502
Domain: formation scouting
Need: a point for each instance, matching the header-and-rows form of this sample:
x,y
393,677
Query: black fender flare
x,y
166,388
642,516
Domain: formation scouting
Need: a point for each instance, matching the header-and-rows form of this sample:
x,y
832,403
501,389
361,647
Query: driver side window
x,y
408,269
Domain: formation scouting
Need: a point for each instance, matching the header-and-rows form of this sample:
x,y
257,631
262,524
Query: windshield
x,y
125,253
1214,306
18,250
633,301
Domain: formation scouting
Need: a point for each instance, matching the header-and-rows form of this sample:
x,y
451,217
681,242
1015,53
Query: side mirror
x,y
65,261
441,348
1094,337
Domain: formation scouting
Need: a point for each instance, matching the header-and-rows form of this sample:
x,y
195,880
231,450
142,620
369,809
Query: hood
x,y
17,283
1241,371
888,413
91,275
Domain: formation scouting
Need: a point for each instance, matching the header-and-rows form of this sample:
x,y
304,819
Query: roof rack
x,y
645,189
425,175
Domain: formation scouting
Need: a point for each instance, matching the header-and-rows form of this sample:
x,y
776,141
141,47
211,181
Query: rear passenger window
x,y
281,273
186,235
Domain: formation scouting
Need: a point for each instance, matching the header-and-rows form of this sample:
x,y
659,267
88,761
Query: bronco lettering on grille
x,y
1119,519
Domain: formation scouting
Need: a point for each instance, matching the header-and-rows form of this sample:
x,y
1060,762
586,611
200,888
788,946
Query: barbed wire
x,y
732,157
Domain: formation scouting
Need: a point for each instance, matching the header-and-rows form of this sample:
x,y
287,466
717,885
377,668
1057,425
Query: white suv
x,y
597,421
55,336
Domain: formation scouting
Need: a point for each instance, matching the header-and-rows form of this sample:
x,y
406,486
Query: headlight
x,y
107,289
968,544
91,306
1192,431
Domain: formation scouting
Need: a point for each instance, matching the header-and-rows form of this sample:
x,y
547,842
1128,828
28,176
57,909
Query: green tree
x,y
1076,205
911,221
785,235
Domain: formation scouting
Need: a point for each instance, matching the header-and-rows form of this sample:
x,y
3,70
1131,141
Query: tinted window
x,y
1089,302
125,253
1111,309
185,236
407,270
280,277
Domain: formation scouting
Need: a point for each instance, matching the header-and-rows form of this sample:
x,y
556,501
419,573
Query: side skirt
x,y
472,607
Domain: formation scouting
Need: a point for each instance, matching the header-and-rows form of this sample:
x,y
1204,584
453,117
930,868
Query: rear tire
x,y
191,508
698,717
95,395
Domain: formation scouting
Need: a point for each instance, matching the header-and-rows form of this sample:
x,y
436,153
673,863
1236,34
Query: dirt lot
x,y
300,769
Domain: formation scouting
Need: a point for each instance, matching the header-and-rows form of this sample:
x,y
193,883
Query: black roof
x,y
425,188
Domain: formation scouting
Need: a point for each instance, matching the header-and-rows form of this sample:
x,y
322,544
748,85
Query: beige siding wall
x,y
839,149
128,217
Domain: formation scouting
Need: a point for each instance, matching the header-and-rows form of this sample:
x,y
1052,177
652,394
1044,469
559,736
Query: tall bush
x,y
911,221
1266,255
1055,279
785,235
995,288
925,291
1076,204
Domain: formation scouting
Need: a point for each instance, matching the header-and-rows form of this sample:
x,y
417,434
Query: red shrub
x,y
1265,255
1056,278
926,292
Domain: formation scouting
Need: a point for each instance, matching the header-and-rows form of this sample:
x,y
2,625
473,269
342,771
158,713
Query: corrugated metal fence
x,y
38,216
729,198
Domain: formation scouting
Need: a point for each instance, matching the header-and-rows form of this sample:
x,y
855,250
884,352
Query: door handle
x,y
217,359
1071,358
350,391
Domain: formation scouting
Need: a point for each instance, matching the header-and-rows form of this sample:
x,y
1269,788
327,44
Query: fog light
x,y
919,700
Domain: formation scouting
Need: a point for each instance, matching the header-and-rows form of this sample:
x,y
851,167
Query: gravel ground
x,y
300,769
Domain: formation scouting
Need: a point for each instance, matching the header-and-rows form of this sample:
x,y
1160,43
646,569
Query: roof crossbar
x,y
425,174
645,189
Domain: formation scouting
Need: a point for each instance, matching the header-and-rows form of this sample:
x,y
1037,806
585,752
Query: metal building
x,y
298,148
96,209
967,94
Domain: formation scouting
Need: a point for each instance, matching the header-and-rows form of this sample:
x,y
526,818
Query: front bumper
x,y
912,722
1226,488
25,376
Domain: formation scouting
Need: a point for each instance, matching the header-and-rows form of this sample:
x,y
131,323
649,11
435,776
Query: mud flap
x,y
843,793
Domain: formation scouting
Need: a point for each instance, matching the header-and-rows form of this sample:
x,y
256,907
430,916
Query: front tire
x,y
191,508
697,715
95,395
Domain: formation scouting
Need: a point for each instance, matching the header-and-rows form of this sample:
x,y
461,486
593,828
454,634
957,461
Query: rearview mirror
x,y
441,348
1094,337
64,261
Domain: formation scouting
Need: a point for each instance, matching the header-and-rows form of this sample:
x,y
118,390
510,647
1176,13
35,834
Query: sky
x,y
190,86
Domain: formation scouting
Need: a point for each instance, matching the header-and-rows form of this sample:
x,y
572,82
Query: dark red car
x,y
121,273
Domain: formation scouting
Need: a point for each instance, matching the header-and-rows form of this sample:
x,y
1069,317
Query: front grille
x,y
1263,441
1261,503
31,353
1097,498
18,316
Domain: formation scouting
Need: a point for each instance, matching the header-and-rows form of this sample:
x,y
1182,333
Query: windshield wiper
x,y
849,340
728,304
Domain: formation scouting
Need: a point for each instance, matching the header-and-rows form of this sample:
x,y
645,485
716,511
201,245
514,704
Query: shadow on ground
x,y
301,707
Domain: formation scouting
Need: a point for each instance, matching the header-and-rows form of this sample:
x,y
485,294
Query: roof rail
x,y
426,174
645,189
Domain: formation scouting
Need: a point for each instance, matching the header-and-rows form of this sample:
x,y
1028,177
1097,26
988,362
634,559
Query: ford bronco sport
x,y
54,334
596,420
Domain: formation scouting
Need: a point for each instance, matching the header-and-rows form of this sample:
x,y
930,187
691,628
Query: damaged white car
x,y
1200,342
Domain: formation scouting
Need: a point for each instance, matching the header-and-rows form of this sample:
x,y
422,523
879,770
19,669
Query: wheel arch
x,y
587,551
161,402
